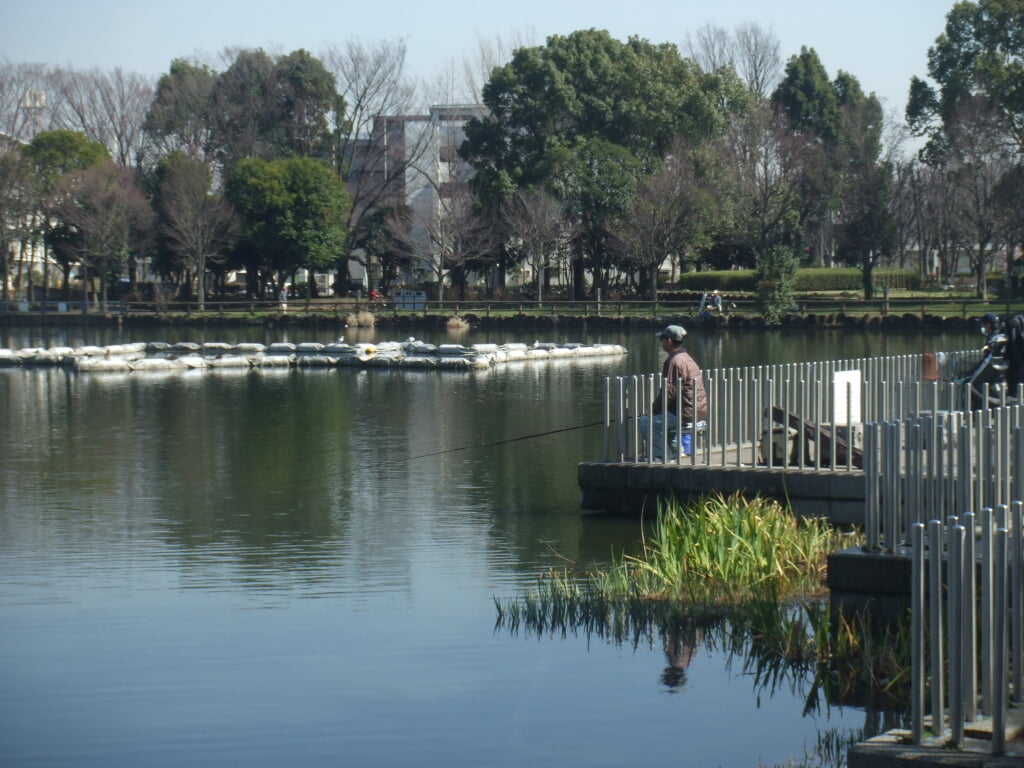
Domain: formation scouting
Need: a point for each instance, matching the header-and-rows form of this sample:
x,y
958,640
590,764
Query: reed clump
x,y
725,549
360,319
741,576
457,323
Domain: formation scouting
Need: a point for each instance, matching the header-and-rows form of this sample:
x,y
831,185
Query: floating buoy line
x,y
186,356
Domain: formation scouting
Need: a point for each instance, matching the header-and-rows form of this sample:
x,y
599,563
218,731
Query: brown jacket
x,y
680,367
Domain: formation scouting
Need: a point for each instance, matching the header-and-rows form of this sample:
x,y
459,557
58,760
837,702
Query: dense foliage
x,y
591,163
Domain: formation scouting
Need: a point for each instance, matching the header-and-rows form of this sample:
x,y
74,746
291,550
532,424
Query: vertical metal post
x,y
935,624
978,459
636,396
647,393
607,416
849,429
964,470
739,421
918,662
621,435
954,574
999,681
894,499
970,621
631,427
1017,597
1017,465
934,438
871,485
915,477
987,650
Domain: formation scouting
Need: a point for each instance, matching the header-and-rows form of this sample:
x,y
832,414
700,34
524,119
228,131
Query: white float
x,y
189,356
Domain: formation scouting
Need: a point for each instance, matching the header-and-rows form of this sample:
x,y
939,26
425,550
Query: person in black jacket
x,y
985,384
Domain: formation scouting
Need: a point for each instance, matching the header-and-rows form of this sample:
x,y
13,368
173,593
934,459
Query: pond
x,y
301,567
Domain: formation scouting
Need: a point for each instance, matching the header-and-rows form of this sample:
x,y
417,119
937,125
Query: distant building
x,y
413,160
26,257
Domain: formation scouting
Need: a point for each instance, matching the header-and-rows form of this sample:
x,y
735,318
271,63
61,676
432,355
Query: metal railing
x,y
666,306
967,622
797,415
937,465
926,462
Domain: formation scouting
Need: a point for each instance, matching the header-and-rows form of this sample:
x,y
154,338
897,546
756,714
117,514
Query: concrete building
x,y
413,160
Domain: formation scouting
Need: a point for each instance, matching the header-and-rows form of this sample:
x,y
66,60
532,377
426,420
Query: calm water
x,y
299,568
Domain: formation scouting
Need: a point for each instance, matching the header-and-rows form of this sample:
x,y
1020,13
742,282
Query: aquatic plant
x,y
726,549
743,577
362,319
457,323
829,749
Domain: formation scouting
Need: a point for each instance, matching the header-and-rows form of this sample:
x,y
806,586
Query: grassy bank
x,y
818,313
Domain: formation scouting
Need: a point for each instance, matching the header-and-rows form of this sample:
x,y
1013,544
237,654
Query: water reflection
x,y
680,645
281,565
774,647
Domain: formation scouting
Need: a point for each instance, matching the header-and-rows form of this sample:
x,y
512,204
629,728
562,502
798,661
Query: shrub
x,y
776,281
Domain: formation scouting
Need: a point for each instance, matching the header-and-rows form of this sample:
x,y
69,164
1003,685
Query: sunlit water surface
x,y
300,567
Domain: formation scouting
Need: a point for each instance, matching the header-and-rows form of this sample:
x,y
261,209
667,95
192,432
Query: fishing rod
x,y
516,439
506,440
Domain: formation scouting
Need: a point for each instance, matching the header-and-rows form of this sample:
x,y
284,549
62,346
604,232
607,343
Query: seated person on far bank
x,y
680,370
716,301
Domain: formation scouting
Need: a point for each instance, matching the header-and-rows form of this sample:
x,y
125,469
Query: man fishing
x,y
679,370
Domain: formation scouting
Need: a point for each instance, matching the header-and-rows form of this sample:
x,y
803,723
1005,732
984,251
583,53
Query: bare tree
x,y
757,57
980,159
23,100
670,216
196,221
108,215
372,150
447,231
712,48
751,51
539,226
489,53
16,196
769,164
939,230
895,137
446,238
108,107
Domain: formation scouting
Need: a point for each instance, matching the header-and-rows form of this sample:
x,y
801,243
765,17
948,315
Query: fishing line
x,y
505,441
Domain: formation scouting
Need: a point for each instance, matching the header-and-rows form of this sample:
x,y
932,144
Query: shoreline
x,y
298,319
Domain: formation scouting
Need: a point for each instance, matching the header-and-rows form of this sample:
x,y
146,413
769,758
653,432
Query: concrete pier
x,y
892,750
858,579
635,487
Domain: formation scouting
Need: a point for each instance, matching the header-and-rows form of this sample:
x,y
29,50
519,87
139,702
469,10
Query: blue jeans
x,y
661,421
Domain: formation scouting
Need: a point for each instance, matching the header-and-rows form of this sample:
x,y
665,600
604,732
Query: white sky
x,y
881,42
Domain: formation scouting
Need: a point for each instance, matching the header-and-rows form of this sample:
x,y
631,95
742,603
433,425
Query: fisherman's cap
x,y
989,318
674,332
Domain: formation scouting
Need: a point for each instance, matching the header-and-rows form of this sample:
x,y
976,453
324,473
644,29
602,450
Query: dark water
x,y
300,567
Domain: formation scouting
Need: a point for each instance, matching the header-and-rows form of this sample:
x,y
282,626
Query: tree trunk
x,y
869,288
201,283
982,291
579,278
